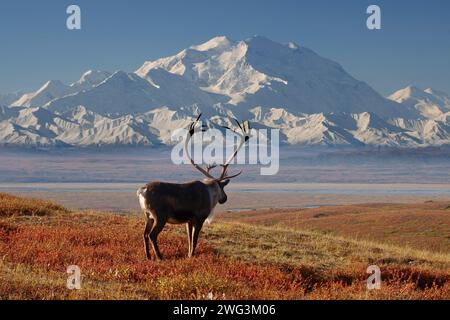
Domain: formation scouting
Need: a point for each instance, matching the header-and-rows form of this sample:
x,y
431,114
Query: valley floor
x,y
320,253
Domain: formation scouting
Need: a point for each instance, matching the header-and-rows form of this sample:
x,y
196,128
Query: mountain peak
x,y
260,71
258,37
406,93
219,42
91,78
87,73
413,89
52,87
119,74
261,41
293,45
52,83
437,93
429,103
93,73
416,92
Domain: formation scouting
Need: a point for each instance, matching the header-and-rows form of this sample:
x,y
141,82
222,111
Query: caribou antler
x,y
245,135
186,147
210,167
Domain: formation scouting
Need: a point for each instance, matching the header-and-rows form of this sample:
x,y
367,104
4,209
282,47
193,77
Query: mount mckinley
x,y
312,100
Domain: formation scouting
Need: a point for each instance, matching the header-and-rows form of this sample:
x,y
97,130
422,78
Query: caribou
x,y
187,203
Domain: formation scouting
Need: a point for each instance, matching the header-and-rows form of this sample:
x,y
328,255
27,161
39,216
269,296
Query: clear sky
x,y
413,46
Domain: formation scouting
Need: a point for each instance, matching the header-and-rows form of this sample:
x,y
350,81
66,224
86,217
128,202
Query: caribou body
x,y
187,203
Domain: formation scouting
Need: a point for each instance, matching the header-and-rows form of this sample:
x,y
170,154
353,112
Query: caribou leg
x,y
189,233
148,227
197,228
156,230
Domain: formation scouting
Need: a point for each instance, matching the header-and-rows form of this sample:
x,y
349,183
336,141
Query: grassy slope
x,y
423,226
235,260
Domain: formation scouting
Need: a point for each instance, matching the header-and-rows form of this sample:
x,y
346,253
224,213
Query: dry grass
x,y
235,261
423,226
323,253
14,206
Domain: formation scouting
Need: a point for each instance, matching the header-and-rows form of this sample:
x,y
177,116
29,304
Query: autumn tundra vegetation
x,y
319,253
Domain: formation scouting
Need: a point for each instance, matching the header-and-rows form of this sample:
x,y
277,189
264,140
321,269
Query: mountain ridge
x,y
311,99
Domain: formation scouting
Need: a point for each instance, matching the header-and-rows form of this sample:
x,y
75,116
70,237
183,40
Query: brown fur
x,y
190,203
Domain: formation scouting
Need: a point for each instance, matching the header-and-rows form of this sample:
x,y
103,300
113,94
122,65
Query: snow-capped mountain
x,y
356,129
76,127
7,99
55,89
90,79
312,100
79,126
261,72
50,90
430,103
127,93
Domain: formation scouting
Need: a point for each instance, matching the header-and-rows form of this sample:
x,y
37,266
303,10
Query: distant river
x,y
308,188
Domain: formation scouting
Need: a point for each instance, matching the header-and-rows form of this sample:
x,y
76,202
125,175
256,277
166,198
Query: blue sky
x,y
412,48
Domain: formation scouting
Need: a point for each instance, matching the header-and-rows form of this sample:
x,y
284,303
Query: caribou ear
x,y
224,183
